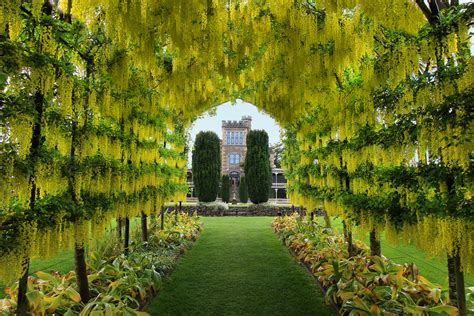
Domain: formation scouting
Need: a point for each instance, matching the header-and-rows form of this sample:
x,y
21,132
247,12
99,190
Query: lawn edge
x,y
154,293
307,268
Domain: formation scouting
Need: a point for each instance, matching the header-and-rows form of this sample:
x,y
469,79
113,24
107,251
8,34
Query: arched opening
x,y
232,121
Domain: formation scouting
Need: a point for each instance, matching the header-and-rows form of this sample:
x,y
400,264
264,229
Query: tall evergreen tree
x,y
206,166
257,166
243,191
225,189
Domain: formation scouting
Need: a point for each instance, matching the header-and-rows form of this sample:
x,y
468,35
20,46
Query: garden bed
x,y
119,284
362,284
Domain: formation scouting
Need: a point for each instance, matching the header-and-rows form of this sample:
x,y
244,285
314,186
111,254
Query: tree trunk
x,y
327,220
350,245
81,273
144,228
344,230
36,142
348,239
119,228
176,208
22,302
374,244
162,226
457,294
460,286
127,236
453,295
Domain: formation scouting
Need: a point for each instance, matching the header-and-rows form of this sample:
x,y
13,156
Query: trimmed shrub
x,y
206,166
257,166
243,191
225,189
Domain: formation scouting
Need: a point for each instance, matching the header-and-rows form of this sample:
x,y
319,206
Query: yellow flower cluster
x,y
314,69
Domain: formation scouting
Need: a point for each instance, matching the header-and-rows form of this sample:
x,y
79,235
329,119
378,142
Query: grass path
x,y
239,267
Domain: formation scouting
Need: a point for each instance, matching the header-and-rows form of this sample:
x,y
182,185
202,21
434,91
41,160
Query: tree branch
x,y
424,8
338,81
434,7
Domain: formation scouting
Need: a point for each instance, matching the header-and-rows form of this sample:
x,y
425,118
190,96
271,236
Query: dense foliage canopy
x,y
95,96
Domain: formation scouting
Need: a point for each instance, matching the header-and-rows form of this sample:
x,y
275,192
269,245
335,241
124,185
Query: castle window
x,y
228,138
234,159
232,138
241,138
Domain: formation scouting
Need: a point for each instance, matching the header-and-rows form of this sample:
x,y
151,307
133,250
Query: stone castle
x,y
233,151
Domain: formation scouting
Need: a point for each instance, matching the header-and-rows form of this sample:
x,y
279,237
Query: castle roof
x,y
245,122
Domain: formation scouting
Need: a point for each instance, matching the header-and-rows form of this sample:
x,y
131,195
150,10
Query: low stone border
x,y
252,210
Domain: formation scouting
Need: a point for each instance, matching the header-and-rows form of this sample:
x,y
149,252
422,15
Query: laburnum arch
x,y
376,97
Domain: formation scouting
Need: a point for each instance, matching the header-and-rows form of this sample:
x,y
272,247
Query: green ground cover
x,y
63,262
433,268
235,238
239,267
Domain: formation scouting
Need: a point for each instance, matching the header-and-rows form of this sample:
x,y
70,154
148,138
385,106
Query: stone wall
x,y
253,210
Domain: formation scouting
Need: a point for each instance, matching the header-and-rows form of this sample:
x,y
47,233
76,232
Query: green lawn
x,y
433,268
239,267
63,262
244,247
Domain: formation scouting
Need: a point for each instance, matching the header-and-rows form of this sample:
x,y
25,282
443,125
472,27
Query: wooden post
x,y
127,236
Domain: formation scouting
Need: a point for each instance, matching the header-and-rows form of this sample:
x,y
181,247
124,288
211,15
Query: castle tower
x,y
234,149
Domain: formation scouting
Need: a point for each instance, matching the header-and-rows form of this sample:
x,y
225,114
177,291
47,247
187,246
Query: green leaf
x,y
69,312
450,310
46,276
73,294
35,299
